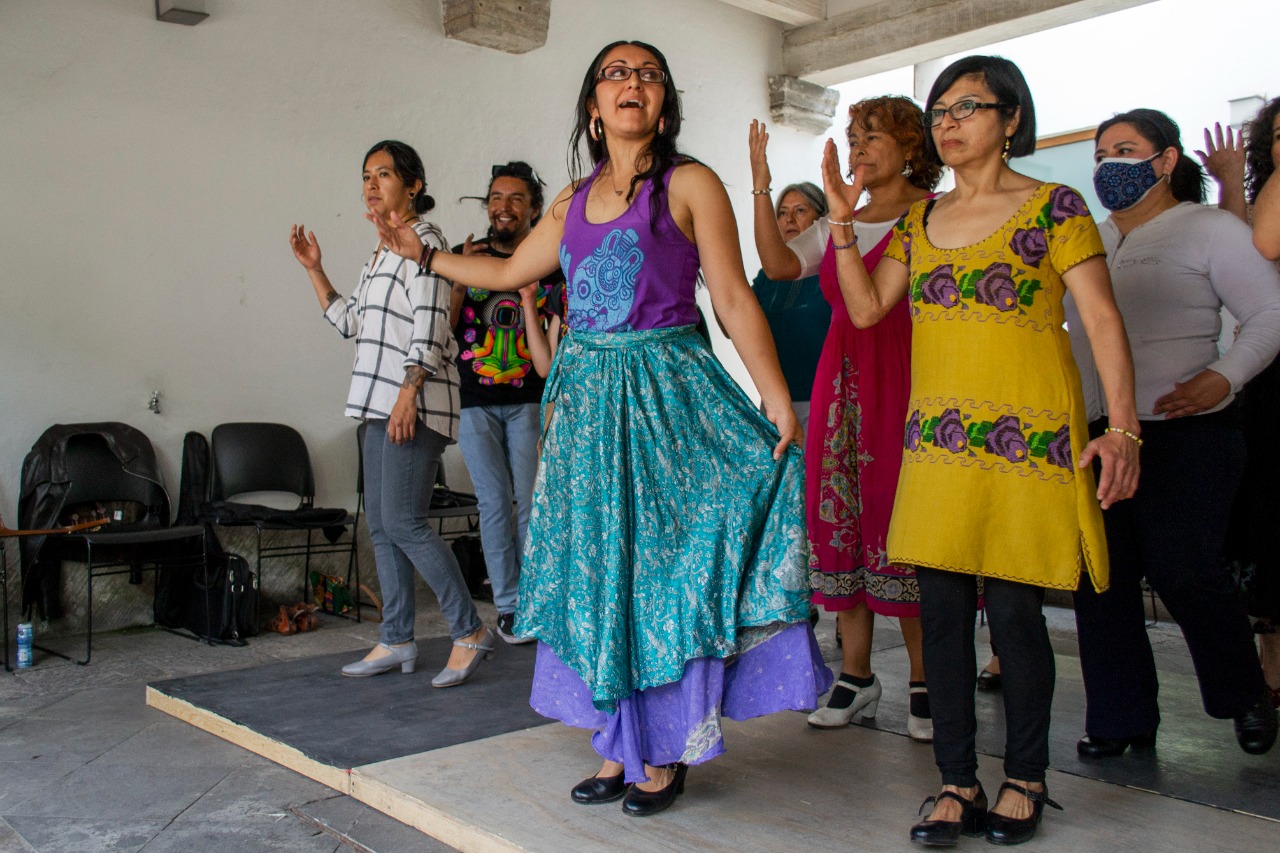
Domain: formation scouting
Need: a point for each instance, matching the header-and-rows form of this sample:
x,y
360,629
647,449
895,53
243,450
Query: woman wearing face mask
x,y
994,475
1174,265
853,448
795,309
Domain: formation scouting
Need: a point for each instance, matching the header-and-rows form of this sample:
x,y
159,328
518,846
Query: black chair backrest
x,y
261,457
96,475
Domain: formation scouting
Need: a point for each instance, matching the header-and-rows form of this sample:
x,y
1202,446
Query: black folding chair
x,y
267,457
128,545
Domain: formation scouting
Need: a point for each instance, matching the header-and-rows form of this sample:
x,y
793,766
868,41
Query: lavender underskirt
x,y
680,721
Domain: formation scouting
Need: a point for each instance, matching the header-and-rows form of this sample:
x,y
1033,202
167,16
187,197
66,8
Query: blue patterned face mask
x,y
1122,182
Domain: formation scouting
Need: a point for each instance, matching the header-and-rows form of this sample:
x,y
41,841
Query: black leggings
x,y
948,604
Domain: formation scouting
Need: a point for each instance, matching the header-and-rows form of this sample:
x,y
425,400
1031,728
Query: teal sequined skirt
x,y
662,529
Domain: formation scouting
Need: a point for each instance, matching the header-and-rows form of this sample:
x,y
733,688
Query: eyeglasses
x,y
621,73
959,111
517,169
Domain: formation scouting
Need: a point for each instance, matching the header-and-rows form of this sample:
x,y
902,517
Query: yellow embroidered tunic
x,y
996,419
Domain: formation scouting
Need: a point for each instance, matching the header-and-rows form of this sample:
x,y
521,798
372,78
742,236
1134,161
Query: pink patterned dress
x,y
853,452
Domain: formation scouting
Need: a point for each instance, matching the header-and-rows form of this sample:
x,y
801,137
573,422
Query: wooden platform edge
x,y
424,817
336,778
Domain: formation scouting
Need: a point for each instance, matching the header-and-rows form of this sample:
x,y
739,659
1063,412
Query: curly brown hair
x,y
1258,162
899,117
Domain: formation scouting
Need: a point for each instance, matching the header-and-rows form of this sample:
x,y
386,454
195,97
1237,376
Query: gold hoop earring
x,y
596,129
662,126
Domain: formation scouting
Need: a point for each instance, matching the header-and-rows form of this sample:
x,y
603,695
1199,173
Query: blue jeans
x,y
500,446
398,481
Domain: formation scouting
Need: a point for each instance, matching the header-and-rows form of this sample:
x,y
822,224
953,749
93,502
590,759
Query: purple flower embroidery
x,y
1060,448
950,432
1065,203
1030,245
996,288
913,431
1006,439
940,288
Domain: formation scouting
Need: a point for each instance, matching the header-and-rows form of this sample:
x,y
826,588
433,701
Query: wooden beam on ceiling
x,y
793,12
896,33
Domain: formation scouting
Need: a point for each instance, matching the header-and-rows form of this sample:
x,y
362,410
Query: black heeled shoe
x,y
599,789
989,681
1256,727
1010,830
1092,746
946,833
640,803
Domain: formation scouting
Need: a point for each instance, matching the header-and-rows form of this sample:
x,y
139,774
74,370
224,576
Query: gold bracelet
x,y
764,191
1125,433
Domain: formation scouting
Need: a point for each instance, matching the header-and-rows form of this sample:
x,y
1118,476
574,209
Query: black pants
x,y
1171,533
948,603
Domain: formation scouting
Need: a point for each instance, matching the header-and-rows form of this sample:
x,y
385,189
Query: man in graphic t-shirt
x,y
501,391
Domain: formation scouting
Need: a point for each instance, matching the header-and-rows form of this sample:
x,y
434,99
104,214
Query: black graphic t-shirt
x,y
493,358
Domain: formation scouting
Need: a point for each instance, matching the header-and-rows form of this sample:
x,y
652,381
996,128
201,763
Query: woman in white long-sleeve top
x,y
1174,265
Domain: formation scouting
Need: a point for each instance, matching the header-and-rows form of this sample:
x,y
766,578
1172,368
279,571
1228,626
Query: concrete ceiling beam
x,y
792,12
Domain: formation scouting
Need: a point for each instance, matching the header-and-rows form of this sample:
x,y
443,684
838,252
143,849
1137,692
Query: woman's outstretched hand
x,y
758,139
305,248
1223,156
396,234
1119,455
842,198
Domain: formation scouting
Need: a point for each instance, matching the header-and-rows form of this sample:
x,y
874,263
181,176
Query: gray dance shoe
x,y
405,657
484,650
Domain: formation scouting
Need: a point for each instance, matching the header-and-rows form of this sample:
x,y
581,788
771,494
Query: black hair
x,y
1187,180
1258,135
662,150
1006,82
408,168
524,172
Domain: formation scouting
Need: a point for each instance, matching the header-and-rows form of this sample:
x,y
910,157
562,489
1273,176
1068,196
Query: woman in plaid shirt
x,y
404,385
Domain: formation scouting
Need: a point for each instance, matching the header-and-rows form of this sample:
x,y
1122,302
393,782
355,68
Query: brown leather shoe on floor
x,y
304,617
283,622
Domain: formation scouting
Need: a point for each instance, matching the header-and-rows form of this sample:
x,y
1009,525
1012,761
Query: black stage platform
x,y
350,722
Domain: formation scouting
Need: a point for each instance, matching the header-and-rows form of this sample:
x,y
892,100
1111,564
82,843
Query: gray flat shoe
x,y
405,657
484,650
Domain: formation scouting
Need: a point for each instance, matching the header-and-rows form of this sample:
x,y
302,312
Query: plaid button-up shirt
x,y
400,318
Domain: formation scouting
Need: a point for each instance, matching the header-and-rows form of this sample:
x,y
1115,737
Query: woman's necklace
x,y
614,184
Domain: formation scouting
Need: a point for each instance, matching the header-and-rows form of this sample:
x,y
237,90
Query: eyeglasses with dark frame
x,y
621,73
959,111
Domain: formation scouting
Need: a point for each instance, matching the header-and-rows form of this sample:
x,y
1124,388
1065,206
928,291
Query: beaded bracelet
x,y
848,245
1125,433
764,191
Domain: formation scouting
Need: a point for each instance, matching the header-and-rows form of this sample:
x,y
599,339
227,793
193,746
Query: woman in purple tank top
x,y
665,572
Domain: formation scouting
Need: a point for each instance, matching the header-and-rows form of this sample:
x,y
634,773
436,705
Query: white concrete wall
x,y
151,172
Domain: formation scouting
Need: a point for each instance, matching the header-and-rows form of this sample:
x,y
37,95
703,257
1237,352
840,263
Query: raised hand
x,y
758,140
396,234
842,198
305,248
1223,155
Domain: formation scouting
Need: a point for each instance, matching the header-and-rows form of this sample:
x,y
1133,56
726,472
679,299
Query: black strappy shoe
x,y
946,833
1009,830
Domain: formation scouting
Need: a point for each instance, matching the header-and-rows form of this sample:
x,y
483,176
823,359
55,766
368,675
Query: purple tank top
x,y
621,275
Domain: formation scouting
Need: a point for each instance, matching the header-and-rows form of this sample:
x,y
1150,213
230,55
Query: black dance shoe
x,y
599,789
1009,830
1256,727
645,803
946,833
1092,746
989,681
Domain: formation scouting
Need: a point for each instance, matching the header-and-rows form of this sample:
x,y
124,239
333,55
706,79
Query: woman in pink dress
x,y
853,446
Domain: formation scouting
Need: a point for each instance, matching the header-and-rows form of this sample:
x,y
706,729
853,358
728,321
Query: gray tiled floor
x,y
86,766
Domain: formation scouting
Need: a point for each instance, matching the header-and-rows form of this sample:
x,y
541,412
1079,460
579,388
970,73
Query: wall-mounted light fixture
x,y
191,12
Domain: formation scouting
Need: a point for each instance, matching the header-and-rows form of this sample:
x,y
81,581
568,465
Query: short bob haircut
x,y
899,117
1006,82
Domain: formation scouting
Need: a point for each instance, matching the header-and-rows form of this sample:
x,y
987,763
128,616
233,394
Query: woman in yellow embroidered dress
x,y
995,478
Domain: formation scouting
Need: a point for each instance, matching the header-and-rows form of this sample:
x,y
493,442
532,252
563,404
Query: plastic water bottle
x,y
24,645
